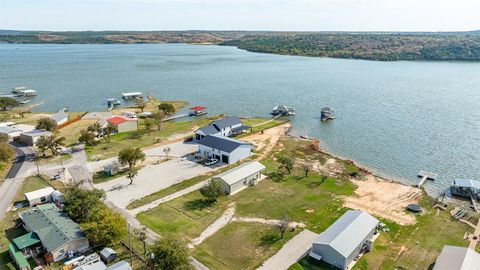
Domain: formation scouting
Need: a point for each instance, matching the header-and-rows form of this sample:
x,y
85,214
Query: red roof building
x,y
123,123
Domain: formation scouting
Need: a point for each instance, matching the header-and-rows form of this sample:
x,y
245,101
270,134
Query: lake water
x,y
396,118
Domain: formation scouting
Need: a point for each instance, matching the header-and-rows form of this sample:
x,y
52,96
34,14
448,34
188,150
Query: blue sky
x,y
311,15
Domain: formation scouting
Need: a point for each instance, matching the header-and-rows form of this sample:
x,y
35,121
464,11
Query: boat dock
x,y
425,176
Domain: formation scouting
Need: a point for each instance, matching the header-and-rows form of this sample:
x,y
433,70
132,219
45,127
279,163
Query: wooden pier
x,y
425,176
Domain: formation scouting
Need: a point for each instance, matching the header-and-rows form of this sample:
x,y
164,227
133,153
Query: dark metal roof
x,y
221,143
226,122
209,130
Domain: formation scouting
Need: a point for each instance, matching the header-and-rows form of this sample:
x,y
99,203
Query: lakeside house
x,y
60,117
227,126
345,240
123,123
224,149
240,177
30,138
458,258
50,230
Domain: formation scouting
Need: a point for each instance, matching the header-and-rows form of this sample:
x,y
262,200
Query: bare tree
x,y
167,150
141,234
283,224
306,168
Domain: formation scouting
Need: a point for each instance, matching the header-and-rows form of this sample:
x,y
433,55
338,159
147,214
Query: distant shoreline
x,y
376,46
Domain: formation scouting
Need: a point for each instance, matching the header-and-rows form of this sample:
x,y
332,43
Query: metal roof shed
x,y
240,177
458,258
345,239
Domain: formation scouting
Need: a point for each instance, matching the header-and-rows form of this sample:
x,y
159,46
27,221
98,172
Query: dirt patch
x,y
265,141
384,199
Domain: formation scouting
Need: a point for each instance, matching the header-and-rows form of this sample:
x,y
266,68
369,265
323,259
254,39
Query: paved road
x,y
15,177
291,252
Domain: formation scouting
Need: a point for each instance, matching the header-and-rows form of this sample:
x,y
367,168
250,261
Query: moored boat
x,y
327,114
283,110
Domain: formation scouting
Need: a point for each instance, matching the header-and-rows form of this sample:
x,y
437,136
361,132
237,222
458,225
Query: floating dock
x,y
425,176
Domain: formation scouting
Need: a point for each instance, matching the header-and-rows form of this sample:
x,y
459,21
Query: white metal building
x,y
39,196
458,258
31,137
240,177
60,117
224,149
11,132
346,239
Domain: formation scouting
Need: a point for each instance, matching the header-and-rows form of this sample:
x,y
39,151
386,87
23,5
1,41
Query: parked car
x,y
188,139
211,161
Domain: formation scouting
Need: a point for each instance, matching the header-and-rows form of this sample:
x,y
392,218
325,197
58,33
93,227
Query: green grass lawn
x,y
241,246
142,139
257,121
187,216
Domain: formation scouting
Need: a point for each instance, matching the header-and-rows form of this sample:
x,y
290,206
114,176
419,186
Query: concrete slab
x,y
295,249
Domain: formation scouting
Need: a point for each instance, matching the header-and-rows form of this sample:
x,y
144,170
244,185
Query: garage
x,y
225,159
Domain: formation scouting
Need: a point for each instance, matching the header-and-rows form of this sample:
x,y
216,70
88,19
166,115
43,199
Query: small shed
x,y
39,196
240,177
31,137
60,117
58,197
108,255
121,265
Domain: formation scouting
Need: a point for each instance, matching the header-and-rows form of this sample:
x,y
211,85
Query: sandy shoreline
x,y
380,196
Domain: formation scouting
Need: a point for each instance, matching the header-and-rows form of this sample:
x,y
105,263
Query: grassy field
x,y
142,139
72,131
307,200
241,246
187,216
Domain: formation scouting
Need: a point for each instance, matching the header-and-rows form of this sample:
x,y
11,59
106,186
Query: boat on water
x,y
18,89
327,114
113,101
283,110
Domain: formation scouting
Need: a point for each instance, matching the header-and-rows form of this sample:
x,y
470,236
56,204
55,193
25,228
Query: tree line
x,y
370,46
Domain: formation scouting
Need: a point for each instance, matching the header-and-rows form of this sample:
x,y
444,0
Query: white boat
x,y
18,89
28,93
283,110
132,95
24,101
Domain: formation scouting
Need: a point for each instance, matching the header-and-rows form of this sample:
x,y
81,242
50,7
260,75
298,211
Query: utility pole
x,y
130,245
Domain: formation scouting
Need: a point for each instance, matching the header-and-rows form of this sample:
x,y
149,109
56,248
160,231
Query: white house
x,y
31,137
346,239
60,118
224,149
240,177
39,196
224,127
11,132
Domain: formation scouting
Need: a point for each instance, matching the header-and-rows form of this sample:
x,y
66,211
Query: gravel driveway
x,y
151,179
